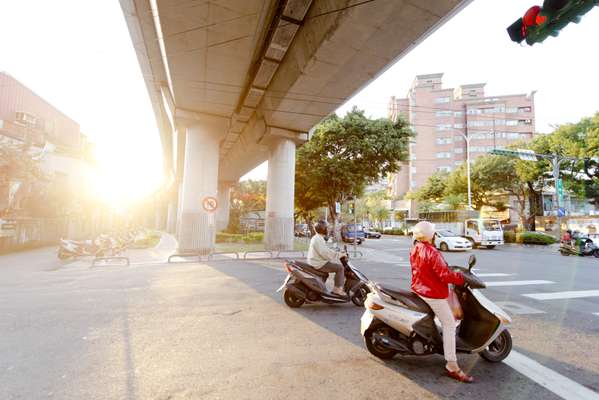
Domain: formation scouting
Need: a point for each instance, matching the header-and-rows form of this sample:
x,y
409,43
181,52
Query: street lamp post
x,y
467,139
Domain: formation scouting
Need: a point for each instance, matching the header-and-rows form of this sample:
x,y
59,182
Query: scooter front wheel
x,y
499,349
359,296
292,300
374,347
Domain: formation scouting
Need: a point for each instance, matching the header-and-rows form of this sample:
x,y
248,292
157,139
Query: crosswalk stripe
x,y
518,283
517,308
562,386
576,294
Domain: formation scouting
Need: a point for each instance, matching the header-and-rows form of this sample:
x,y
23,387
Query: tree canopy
x,y
344,155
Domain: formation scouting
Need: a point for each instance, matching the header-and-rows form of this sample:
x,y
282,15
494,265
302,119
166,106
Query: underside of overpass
x,y
236,82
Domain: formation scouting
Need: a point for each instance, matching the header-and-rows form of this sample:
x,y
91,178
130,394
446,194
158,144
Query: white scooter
x,y
399,322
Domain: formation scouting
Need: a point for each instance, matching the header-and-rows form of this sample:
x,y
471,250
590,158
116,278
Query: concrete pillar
x,y
196,226
171,217
278,234
224,205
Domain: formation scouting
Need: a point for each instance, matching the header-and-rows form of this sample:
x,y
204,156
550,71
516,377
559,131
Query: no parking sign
x,y
210,204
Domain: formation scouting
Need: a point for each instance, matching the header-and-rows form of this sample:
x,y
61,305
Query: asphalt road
x,y
218,330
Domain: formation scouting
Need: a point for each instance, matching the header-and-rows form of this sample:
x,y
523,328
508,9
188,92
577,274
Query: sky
x,y
78,55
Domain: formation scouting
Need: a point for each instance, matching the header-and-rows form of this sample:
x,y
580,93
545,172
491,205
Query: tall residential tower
x,y
443,118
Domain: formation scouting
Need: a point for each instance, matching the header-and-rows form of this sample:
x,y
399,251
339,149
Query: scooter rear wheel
x,y
292,300
499,349
375,348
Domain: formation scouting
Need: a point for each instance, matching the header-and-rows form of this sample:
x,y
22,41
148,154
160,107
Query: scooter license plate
x,y
284,283
365,322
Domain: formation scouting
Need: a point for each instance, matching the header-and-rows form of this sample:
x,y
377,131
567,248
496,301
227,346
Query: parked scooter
x,y
305,284
581,246
399,322
75,248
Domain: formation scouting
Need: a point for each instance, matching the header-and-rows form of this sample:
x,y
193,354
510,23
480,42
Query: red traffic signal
x,y
540,22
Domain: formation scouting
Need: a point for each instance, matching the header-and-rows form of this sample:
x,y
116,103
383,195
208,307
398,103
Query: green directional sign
x,y
523,154
503,152
560,191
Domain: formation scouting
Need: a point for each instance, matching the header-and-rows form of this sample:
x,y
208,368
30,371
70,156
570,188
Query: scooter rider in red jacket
x,y
430,279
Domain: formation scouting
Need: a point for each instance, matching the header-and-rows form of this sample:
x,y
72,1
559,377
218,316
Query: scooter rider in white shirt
x,y
321,257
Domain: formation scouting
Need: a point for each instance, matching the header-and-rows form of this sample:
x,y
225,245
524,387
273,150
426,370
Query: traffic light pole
x,y
555,161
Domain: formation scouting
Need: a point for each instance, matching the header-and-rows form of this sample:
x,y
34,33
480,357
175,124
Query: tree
x,y
345,154
433,189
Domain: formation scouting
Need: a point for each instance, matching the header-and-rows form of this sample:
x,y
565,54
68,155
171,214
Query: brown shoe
x,y
459,375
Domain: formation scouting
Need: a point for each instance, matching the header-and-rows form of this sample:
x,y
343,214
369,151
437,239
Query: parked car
x,y
302,230
372,234
348,231
449,241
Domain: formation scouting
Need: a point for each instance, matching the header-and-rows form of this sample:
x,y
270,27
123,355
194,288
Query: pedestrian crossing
x,y
516,308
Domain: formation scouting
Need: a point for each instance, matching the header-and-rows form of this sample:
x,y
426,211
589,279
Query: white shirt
x,y
319,253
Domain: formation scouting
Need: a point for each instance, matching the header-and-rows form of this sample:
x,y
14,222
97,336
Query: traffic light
x,y
538,23
351,208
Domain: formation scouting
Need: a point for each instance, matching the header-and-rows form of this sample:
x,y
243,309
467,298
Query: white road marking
x,y
498,274
517,308
576,294
597,314
518,283
560,385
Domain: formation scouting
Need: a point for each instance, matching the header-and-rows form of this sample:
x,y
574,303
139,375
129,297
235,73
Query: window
x,y
444,127
458,163
458,150
441,100
444,140
511,110
444,168
458,114
480,123
458,139
413,170
444,113
474,111
511,122
412,156
524,122
524,109
513,135
458,126
444,154
500,122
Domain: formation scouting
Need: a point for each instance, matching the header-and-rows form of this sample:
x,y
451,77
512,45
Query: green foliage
x,y
254,237
534,238
509,237
395,231
246,196
344,155
433,189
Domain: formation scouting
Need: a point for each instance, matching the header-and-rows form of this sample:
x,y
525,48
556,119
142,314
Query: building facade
x,y
447,120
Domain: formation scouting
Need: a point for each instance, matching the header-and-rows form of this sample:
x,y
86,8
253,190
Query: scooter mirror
x,y
471,261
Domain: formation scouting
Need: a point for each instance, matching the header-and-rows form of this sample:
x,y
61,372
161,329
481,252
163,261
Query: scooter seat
x,y
310,269
410,299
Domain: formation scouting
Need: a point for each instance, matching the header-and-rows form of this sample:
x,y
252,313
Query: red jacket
x,y
430,274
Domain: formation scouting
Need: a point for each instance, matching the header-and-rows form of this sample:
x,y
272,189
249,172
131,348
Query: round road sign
x,y
210,204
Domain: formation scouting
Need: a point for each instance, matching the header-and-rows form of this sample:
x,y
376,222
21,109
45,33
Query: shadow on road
x,y
427,372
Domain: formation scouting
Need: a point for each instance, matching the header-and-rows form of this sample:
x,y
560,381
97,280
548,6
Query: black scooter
x,y
579,247
305,284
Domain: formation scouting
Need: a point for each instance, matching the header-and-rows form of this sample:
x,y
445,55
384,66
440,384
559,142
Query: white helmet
x,y
424,231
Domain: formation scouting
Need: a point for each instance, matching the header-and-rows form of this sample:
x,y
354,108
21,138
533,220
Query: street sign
x,y
210,204
337,207
560,191
527,155
561,212
523,154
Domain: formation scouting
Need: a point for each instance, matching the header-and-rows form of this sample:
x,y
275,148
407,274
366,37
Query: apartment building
x,y
446,120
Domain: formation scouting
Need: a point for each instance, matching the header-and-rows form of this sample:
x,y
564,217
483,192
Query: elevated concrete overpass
x,y
236,82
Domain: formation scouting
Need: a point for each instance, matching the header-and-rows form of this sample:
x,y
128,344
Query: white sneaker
x,y
339,291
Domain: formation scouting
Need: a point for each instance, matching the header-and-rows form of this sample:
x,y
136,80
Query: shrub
x,y
394,231
509,237
223,237
534,238
254,237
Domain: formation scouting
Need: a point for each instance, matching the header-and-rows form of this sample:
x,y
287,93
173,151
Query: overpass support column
x,y
224,205
197,225
278,234
171,213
